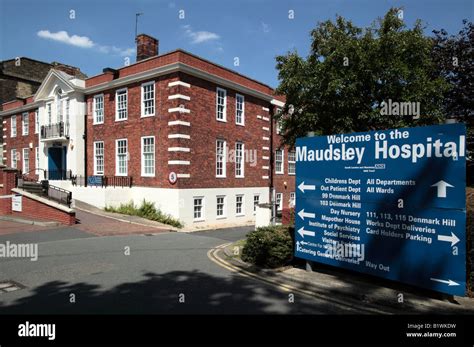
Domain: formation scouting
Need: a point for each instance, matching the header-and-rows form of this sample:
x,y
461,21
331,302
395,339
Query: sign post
x,y
387,203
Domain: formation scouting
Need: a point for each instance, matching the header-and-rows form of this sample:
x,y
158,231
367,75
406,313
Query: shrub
x,y
146,210
268,247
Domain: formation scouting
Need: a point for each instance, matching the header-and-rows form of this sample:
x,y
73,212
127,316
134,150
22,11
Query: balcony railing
x,y
55,131
102,181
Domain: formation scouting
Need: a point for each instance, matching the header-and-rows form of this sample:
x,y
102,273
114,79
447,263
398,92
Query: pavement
x,y
338,285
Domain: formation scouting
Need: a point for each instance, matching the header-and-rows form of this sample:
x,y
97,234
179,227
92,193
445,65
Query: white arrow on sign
x,y
453,238
441,185
304,187
303,232
448,282
303,214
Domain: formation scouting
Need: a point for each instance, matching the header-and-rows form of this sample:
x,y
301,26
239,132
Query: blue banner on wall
x,y
387,203
94,180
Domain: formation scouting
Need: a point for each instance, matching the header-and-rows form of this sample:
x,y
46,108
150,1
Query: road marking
x,y
212,255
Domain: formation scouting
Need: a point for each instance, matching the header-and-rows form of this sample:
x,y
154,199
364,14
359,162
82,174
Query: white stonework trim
x,y
266,148
179,162
4,136
266,129
266,138
179,96
4,144
179,122
4,129
179,83
43,200
184,175
179,109
178,149
266,167
265,177
4,151
265,157
266,109
277,103
259,117
4,122
179,136
266,118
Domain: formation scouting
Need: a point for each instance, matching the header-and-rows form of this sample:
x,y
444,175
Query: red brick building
x,y
196,138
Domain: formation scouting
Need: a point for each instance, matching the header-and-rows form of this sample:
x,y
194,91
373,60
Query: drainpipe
x,y
271,166
84,137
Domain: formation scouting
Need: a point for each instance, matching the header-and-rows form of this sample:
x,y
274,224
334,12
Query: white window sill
x,y
149,175
221,217
199,220
99,123
121,120
221,120
147,115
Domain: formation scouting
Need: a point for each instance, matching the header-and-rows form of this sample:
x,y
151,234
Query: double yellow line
x,y
212,254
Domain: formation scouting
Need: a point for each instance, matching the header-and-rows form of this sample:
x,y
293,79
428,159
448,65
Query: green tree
x,y
454,58
350,71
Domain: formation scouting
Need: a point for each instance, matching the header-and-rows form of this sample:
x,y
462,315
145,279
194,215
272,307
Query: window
x,y
220,158
37,159
48,113
121,167
98,109
220,208
279,199
99,158
148,156
279,161
221,96
148,99
239,159
292,199
291,162
239,205
25,124
13,126
256,201
13,158
198,208
239,109
37,123
121,104
67,111
26,160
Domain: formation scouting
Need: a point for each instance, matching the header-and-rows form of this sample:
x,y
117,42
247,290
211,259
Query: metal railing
x,y
56,130
102,181
62,196
57,194
60,175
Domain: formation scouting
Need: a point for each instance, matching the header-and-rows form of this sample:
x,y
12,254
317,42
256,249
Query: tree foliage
x,y
454,59
350,71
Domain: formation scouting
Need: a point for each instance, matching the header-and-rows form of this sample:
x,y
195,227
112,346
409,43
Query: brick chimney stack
x,y
147,46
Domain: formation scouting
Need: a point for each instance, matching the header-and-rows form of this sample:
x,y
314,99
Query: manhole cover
x,y
10,286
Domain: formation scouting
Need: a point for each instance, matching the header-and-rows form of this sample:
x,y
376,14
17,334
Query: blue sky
x,y
255,31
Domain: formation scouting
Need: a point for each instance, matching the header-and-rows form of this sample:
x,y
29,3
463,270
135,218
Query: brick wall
x,y
30,208
37,210
20,141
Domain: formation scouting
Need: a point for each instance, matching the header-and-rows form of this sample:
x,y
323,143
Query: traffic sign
x,y
387,203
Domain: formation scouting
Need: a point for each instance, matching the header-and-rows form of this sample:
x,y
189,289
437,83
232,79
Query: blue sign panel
x,y
94,180
387,203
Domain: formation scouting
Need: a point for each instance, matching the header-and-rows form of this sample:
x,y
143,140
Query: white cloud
x,y
265,27
64,37
199,36
84,42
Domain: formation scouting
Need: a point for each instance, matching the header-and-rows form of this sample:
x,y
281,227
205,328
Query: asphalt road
x,y
166,273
